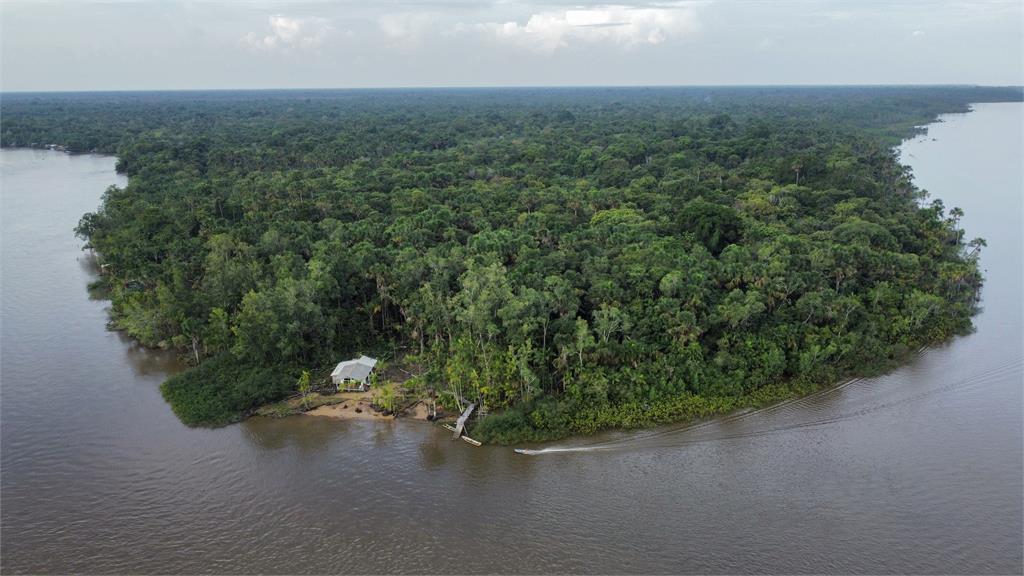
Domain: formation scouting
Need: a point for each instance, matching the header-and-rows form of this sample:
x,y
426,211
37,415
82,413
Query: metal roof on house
x,y
357,369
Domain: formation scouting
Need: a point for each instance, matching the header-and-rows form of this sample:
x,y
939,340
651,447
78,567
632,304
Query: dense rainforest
x,y
574,259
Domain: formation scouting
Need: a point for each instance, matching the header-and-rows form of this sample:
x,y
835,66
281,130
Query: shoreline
x,y
363,411
342,406
695,409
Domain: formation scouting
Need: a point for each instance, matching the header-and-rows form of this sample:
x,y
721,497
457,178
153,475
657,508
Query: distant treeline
x,y
573,258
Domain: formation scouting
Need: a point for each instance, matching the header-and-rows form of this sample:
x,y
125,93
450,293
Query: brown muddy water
x,y
916,471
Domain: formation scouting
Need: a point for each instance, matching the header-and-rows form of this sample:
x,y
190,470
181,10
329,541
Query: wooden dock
x,y
465,439
460,424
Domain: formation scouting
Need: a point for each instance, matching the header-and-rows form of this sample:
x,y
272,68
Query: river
x,y
916,471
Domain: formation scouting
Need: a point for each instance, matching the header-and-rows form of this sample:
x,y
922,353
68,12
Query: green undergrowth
x,y
223,390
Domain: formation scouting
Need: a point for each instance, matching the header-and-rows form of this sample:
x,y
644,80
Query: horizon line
x,y
507,87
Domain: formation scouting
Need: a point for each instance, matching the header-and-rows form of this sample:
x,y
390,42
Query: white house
x,y
354,375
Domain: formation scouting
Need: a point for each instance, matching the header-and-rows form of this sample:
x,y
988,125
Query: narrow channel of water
x,y
916,471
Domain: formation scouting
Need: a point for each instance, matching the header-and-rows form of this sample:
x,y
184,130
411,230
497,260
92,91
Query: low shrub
x,y
223,390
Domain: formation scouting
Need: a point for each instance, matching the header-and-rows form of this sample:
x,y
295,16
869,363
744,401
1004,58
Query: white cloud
x,y
405,26
287,33
626,26
768,43
917,33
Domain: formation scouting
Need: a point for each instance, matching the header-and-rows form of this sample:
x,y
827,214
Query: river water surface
x,y
916,471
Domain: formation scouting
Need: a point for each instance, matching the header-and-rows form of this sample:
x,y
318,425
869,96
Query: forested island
x,y
573,259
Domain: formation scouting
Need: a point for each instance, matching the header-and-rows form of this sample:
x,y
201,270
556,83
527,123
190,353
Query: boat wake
x,y
557,449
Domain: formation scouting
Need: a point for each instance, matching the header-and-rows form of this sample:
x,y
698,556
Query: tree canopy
x,y
573,258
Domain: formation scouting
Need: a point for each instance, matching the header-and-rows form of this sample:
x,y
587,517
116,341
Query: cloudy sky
x,y
79,45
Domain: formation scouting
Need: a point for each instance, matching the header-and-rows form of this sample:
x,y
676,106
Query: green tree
x,y
303,386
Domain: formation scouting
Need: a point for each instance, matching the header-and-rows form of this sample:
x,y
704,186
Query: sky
x,y
152,45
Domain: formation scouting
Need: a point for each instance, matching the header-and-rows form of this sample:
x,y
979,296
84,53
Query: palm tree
x,y
976,245
955,215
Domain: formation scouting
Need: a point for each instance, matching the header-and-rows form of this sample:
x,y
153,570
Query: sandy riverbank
x,y
342,406
356,406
